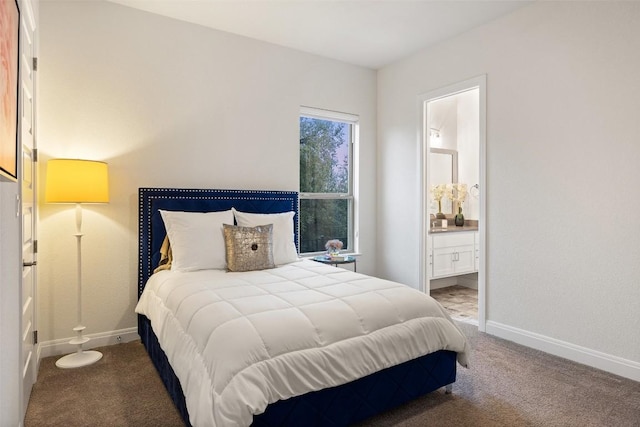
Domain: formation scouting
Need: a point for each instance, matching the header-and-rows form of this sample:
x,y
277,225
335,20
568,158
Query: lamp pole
x,y
80,357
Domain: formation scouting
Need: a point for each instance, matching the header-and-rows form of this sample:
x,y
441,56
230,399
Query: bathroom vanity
x,y
453,251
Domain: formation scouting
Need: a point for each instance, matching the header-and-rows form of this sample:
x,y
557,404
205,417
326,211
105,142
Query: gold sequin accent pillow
x,y
248,248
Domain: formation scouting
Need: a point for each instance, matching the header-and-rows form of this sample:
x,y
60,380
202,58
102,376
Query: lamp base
x,y
79,359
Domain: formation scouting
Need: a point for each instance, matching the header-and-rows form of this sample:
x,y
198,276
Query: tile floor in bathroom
x,y
461,302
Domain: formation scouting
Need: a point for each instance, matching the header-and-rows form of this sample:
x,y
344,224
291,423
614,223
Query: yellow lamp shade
x,y
77,181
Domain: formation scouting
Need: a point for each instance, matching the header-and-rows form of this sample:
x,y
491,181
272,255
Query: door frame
x,y
424,140
28,187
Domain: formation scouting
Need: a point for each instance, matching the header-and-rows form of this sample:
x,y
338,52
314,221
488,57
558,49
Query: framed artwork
x,y
9,51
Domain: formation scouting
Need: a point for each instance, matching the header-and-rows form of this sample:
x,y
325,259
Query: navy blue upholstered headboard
x,y
151,228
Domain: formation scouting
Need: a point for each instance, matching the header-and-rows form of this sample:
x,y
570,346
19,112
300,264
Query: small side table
x,y
349,259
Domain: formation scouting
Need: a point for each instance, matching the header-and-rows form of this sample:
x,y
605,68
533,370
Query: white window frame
x,y
351,194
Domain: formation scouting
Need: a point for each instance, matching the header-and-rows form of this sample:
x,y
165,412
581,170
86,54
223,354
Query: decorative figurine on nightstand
x,y
333,247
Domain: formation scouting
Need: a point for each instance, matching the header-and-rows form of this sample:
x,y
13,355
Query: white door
x,y
29,201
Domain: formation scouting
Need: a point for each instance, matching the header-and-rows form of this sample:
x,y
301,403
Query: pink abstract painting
x,y
9,29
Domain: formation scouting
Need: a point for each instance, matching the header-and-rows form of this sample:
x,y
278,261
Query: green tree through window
x,y
326,198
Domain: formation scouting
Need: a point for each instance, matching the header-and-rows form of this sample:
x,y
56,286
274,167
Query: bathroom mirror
x,y
443,169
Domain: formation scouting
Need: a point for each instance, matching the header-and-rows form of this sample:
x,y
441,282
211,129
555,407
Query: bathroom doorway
x,y
453,191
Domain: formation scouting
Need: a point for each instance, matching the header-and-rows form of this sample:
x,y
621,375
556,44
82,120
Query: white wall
x,y
468,144
167,103
443,117
562,171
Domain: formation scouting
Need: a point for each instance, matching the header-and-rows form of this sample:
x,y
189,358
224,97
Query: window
x,y
326,179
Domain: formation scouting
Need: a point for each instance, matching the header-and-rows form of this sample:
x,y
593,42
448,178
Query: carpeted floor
x,y
121,389
506,385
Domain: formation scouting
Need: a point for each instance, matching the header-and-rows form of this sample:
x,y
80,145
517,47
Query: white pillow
x,y
284,246
196,239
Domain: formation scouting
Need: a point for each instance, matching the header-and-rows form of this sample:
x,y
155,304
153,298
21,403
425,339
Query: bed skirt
x,y
336,406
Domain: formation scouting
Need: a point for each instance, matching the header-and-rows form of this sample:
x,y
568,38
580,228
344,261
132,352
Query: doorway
x,y
453,194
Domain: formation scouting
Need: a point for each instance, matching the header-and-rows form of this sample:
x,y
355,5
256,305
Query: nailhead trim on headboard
x,y
200,200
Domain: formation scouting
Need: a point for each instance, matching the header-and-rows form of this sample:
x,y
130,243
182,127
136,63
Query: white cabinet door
x,y
452,254
443,263
464,259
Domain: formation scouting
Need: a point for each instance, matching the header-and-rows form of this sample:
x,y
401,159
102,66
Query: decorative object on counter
x,y
459,218
458,194
439,224
333,247
437,192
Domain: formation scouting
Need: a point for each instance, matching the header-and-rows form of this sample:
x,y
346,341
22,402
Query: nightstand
x,y
349,259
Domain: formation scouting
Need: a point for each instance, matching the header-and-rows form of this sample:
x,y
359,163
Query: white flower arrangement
x,y
457,193
438,191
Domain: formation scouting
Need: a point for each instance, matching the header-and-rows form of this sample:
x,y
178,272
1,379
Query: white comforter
x,y
239,341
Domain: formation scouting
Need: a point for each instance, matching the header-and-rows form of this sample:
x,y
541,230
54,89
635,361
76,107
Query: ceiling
x,y
368,33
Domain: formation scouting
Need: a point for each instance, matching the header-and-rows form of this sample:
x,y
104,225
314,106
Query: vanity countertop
x,y
453,229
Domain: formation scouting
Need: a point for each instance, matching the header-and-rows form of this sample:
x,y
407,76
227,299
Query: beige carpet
x,y
122,389
506,385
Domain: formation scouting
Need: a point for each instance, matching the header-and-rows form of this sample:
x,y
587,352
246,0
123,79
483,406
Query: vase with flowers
x,y
437,193
458,195
333,247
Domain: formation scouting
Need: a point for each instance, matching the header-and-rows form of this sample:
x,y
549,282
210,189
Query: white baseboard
x,y
467,280
586,356
62,346
443,283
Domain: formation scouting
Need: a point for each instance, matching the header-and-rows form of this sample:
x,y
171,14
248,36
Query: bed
x,y
341,376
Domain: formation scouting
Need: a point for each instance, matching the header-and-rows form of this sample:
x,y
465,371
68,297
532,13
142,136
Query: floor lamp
x,y
77,181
